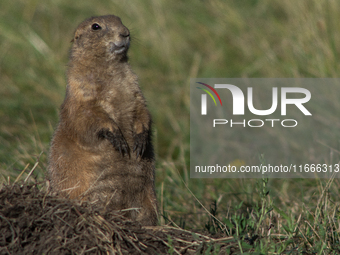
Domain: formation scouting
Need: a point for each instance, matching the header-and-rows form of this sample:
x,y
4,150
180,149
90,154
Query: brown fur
x,y
101,150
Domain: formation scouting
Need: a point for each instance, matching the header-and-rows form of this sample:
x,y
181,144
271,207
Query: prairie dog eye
x,y
95,26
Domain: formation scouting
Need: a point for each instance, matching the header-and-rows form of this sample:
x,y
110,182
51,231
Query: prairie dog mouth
x,y
120,47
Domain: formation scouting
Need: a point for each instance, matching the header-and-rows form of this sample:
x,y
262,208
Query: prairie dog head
x,y
100,39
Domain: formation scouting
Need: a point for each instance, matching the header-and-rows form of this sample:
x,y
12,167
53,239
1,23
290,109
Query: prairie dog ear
x,y
76,36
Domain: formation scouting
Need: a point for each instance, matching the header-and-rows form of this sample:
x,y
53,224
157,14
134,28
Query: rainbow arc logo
x,y
212,89
204,97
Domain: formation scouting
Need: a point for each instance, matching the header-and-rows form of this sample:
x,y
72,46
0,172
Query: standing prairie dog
x,y
101,150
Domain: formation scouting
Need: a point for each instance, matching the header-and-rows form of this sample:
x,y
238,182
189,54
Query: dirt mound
x,y
34,222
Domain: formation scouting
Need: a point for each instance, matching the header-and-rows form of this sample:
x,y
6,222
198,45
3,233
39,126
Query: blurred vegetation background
x,y
172,41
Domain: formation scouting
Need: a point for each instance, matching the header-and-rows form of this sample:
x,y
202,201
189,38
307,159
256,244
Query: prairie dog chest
x,y
119,105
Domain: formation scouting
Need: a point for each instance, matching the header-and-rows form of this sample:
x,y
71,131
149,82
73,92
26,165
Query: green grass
x,y
173,41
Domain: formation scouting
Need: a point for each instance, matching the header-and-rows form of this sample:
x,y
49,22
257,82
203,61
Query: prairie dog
x,y
101,150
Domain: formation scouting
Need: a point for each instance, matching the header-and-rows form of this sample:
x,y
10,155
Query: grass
x,y
172,42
